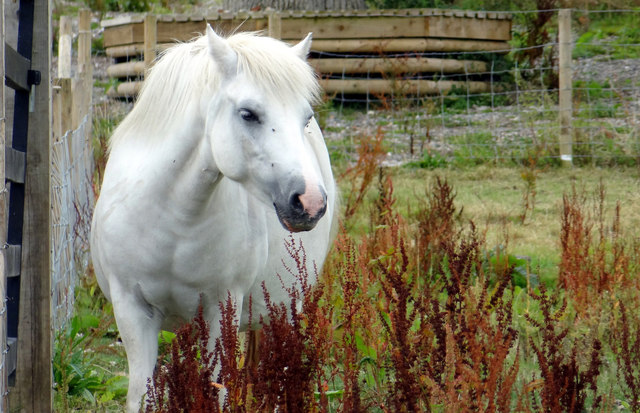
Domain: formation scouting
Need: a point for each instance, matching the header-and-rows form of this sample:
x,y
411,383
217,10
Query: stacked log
x,y
354,52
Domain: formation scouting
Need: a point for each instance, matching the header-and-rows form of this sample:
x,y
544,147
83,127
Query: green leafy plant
x,y
77,372
428,161
72,370
87,368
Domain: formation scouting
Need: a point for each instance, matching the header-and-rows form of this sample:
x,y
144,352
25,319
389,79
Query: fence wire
x,y
72,199
516,118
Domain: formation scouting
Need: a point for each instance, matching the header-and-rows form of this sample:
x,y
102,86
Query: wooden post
x,y
34,383
64,47
4,385
83,84
67,105
275,25
56,110
150,40
565,87
84,41
62,107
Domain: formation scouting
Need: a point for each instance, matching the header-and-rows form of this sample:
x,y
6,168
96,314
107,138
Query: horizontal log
x,y
177,31
123,35
125,90
358,65
132,50
391,27
360,46
326,27
125,51
401,87
407,45
128,69
397,65
185,31
357,87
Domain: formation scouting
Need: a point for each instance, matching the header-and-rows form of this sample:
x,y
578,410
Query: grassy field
x,y
491,340
494,198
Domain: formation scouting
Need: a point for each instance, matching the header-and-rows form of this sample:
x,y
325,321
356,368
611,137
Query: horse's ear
x,y
222,53
302,49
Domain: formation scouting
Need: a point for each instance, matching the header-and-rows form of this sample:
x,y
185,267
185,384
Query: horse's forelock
x,y
272,64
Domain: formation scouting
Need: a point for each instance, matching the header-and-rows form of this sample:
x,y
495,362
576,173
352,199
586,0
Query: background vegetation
x,y
454,284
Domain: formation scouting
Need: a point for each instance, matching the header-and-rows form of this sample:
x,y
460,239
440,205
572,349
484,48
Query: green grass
x,y
474,148
611,34
89,367
492,197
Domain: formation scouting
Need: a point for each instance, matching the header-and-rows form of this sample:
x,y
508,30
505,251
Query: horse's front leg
x,y
139,325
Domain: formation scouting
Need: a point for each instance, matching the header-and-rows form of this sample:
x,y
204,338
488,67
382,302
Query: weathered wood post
x,y
62,107
150,40
275,25
565,87
84,41
83,85
64,47
34,382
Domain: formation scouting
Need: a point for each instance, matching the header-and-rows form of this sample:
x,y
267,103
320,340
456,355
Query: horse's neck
x,y
174,171
193,173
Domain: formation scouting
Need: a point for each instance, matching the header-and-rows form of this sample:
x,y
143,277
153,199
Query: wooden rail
x,y
366,38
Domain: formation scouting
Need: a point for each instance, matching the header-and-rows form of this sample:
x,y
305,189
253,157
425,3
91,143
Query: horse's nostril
x,y
296,203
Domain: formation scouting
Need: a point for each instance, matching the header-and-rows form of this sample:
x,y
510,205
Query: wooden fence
x,y
25,226
373,47
54,117
72,195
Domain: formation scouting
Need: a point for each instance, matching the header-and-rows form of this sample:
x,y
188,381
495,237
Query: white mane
x,y
186,73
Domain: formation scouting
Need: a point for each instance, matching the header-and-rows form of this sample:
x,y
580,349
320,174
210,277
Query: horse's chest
x,y
226,241
176,242
229,249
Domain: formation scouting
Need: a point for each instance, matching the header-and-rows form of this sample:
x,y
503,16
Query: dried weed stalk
x,y
564,382
594,258
370,153
186,382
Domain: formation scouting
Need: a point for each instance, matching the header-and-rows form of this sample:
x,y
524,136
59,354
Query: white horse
x,y
218,162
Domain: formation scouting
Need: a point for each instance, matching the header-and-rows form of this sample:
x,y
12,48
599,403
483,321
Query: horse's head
x,y
259,123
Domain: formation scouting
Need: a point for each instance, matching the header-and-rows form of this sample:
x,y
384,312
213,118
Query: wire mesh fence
x,y
72,198
514,114
504,109
490,94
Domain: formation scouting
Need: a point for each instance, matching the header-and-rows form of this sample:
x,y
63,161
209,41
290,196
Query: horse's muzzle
x,y
301,210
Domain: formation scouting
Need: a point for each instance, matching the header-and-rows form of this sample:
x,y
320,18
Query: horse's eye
x,y
248,115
